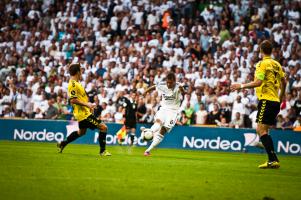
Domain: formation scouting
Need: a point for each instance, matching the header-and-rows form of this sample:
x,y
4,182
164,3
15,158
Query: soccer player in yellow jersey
x,y
82,111
269,79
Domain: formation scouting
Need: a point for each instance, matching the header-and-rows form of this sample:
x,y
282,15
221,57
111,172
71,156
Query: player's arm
x,y
181,88
253,84
259,77
282,87
183,93
81,103
73,92
151,88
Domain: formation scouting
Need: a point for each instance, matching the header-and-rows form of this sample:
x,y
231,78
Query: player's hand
x,y
235,86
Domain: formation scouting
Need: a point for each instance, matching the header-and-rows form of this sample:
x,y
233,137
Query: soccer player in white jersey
x,y
171,94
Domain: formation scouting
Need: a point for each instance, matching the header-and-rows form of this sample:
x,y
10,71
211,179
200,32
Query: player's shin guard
x,y
156,127
269,147
73,136
102,141
157,139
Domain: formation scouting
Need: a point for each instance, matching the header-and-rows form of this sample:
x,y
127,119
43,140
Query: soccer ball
x,y
147,134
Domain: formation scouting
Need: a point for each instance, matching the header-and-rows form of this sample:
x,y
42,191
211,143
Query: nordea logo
x,y
216,144
38,135
289,147
251,139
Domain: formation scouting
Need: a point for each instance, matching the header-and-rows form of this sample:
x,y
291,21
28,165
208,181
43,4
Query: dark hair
x,y
74,69
266,47
171,76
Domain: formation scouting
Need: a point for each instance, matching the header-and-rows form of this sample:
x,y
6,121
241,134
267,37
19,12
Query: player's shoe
x,y
105,153
269,165
61,146
147,153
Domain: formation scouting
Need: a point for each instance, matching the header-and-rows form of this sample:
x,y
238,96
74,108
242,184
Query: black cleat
x,y
60,146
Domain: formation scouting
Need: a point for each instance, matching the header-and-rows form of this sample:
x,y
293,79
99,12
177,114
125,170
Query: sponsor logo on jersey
x,y
167,98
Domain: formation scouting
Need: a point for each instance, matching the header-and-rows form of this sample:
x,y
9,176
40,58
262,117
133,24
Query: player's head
x,y
74,69
170,80
133,94
266,47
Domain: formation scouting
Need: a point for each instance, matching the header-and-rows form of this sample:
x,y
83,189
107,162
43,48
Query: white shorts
x,y
167,117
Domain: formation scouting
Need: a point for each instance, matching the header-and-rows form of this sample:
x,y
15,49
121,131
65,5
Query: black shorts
x,y
90,122
267,112
130,123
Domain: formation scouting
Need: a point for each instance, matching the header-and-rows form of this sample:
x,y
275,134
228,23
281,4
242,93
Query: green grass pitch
x,y
36,171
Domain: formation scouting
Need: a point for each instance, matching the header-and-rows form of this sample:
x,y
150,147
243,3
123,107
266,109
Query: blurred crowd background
x,y
127,46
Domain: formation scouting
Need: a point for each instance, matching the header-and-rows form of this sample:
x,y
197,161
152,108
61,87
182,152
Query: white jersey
x,y
170,98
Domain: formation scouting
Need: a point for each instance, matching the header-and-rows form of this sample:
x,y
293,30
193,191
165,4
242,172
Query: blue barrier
x,y
183,137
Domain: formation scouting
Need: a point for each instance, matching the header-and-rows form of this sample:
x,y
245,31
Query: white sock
x,y
156,127
157,139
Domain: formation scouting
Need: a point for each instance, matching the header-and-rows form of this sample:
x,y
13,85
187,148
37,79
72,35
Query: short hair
x,y
266,47
171,76
74,69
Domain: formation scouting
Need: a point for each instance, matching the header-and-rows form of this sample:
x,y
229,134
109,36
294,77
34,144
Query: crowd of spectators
x,y
126,46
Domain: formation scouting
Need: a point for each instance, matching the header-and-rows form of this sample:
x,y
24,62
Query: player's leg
x,y
266,117
132,134
158,137
266,139
73,136
156,126
128,131
103,129
159,118
167,120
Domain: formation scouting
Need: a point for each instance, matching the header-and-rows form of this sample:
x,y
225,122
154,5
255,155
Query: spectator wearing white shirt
x,y
297,82
238,106
152,19
237,122
118,116
138,16
201,115
20,102
6,100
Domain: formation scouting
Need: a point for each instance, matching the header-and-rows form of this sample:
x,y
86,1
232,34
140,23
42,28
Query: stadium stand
x,y
127,45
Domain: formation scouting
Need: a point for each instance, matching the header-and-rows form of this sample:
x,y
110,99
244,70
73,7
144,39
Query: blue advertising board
x,y
182,137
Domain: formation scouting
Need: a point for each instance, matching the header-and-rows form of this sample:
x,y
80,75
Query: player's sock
x,y
102,141
269,147
73,136
156,127
132,136
157,139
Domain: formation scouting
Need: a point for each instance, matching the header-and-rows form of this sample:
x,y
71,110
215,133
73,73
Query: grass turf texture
x,y
37,171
